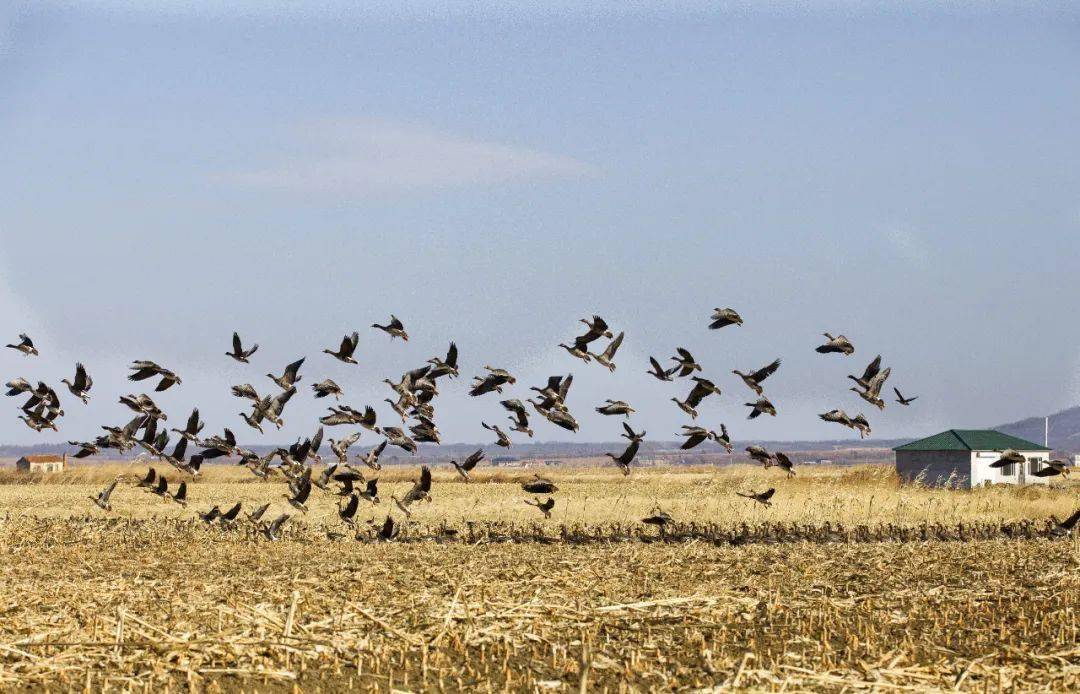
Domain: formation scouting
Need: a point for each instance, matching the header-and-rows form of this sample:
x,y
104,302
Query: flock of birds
x,y
413,401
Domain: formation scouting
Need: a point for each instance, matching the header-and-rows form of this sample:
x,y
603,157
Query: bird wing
x,y
872,368
425,479
82,379
473,459
237,348
292,369
564,386
452,355
395,322
232,513
765,371
767,494
685,354
694,440
104,496
613,347
193,422
656,365
350,509
782,459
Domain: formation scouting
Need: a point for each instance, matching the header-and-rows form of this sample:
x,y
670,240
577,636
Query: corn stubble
x,y
149,597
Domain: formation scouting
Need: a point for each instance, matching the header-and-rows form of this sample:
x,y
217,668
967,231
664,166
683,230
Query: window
x,y
1009,470
1033,466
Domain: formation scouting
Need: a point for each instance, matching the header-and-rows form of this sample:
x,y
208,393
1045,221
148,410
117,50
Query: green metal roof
x,y
970,440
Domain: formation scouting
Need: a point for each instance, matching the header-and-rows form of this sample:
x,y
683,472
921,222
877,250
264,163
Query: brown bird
x,y
754,379
784,462
760,407
902,400
579,349
102,499
326,387
659,372
1052,469
291,376
1008,457
503,439
684,362
544,506
723,317
598,328
80,388
520,416
395,328
539,485
616,407
238,352
659,518
348,346
762,498
606,358
838,344
144,369
25,345
447,366
466,467
869,372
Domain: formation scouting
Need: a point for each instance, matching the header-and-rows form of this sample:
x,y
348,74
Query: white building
x,y
962,458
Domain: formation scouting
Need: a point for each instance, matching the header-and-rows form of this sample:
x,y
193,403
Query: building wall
x,y
982,473
935,468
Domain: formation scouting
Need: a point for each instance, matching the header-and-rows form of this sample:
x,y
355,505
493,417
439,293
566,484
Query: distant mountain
x,y
1064,429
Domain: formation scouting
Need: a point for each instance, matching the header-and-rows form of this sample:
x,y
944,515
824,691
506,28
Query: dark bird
x,y
502,439
1052,469
837,416
300,492
543,506
838,345
520,416
624,459
399,438
144,404
348,511
902,400
147,482
860,423
394,328
754,379
80,388
466,467
192,428
238,352
872,392
291,376
327,387
762,498
420,491
273,530
760,407
724,439
539,485
702,388
723,317
616,407
227,518
256,515
102,499
784,462
684,362
86,449
162,488
340,448
579,350
212,515
445,367
598,328
18,386
372,457
370,491
144,369
344,353
1065,527
659,372
695,436
759,454
25,345
554,393
1008,457
494,381
246,390
659,518
323,480
389,530
180,496
607,357
559,417
869,372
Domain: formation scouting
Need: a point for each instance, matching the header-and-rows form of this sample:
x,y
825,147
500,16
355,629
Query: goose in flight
x,y
872,392
543,506
1052,469
703,387
18,386
348,511
325,388
420,491
25,346
616,407
143,404
502,439
272,531
684,362
494,381
162,488
763,498
761,406
606,358
466,467
180,496
724,439
579,350
370,492
256,515
560,417
425,431
445,367
598,328
869,372
192,428
299,493
395,328
344,353
212,515
784,462
398,438
38,419
860,423
323,480
340,448
1065,527
80,388
1008,457
658,371
553,395
695,436
837,416
228,518
246,390
902,400
519,416
238,352
102,499
539,485
291,376
723,317
148,481
624,459
86,449
759,454
389,530
144,369
372,457
838,345
754,379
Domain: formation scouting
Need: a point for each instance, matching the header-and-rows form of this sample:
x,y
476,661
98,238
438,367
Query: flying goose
x,y
325,388
18,386
559,417
38,419
228,518
299,493
180,496
246,390
162,488
539,485
193,427
389,530
290,377
102,499
394,328
837,416
25,345
147,482
273,530
703,387
902,400
684,362
616,407
340,448
144,369
543,506
1053,468
869,372
80,388
1008,457
860,422
503,439
838,344
425,431
344,353
695,436
579,350
759,454
762,498
761,406
212,515
347,512
466,467
399,438
754,378
86,449
598,328
143,404
624,459
872,392
494,381
1065,527
723,317
420,491
520,416
256,515
447,366
606,358
724,439
372,457
784,462
323,480
239,353
555,392
659,372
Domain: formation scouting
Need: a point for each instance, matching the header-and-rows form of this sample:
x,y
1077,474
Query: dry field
x,y
147,597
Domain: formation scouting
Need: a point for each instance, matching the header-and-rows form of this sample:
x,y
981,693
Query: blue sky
x,y
171,172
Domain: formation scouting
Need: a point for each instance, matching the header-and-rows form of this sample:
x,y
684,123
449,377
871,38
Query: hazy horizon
x,y
491,175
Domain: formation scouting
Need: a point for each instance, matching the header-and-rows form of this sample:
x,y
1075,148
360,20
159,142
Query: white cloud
x,y
367,157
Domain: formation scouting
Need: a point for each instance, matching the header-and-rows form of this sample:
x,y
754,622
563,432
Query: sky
x,y
173,171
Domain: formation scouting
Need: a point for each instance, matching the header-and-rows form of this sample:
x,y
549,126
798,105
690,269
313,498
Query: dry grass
x,y
147,598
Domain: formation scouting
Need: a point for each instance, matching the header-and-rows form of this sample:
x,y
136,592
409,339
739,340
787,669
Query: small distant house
x,y
962,458
41,463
